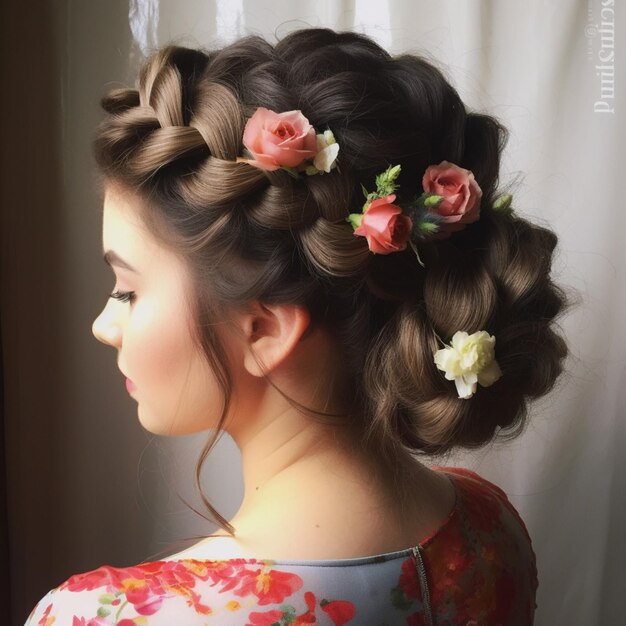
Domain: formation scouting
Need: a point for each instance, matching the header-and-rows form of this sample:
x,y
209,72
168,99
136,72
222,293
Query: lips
x,y
130,385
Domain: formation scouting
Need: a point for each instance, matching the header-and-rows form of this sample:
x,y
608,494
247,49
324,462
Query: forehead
x,y
121,218
125,233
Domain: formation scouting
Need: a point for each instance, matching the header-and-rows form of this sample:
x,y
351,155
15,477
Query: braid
x,y
259,234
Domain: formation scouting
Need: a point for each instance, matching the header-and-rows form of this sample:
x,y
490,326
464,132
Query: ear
x,y
271,332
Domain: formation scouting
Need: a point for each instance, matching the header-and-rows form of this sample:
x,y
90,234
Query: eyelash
x,y
123,296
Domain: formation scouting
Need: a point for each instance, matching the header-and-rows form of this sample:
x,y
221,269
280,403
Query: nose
x,y
107,327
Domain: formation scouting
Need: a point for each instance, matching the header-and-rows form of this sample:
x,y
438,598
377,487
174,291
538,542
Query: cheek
x,y
154,346
176,391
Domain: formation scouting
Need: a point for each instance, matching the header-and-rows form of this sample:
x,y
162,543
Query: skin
x,y
334,502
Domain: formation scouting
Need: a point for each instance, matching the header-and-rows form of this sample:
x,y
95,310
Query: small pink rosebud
x,y
384,226
461,196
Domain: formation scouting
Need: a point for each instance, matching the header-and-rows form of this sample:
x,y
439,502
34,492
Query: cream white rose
x,y
470,359
327,151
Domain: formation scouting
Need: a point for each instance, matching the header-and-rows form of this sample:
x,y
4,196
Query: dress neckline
x,y
359,560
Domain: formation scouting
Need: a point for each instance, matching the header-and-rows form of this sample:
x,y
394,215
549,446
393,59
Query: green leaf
x,y
311,170
432,199
106,598
503,203
365,191
428,227
385,182
370,198
394,172
292,171
289,615
355,219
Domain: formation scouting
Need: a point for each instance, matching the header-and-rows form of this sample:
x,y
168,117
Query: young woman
x,y
312,254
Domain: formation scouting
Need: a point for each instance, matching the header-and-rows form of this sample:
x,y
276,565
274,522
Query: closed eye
x,y
123,296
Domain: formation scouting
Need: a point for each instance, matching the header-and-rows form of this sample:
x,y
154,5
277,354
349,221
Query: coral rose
x,y
384,226
461,196
278,140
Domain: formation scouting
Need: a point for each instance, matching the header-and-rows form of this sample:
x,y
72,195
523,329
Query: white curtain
x,y
550,71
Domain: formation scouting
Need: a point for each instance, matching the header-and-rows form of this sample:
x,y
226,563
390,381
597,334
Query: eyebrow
x,y
111,258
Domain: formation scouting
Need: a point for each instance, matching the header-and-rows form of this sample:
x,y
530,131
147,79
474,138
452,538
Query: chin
x,y
167,426
155,424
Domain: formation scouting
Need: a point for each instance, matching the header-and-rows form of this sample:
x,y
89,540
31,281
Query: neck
x,y
292,461
307,467
282,451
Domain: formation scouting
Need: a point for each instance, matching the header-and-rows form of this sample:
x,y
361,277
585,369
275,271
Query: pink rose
x,y
384,226
278,139
461,193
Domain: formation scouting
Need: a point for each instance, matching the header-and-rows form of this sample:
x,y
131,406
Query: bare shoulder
x,y
212,548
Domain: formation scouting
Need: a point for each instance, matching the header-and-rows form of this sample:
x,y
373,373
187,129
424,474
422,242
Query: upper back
x,y
479,565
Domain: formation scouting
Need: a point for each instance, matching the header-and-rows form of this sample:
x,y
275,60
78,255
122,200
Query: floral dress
x,y
477,568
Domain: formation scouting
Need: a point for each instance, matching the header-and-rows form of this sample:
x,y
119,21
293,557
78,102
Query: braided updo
x,y
250,234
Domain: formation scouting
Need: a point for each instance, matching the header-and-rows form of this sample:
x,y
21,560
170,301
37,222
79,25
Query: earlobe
x,y
272,333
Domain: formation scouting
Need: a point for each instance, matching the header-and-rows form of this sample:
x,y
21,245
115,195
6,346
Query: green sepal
x,y
503,203
365,191
355,219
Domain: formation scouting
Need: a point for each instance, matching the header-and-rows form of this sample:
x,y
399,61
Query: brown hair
x,y
254,235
